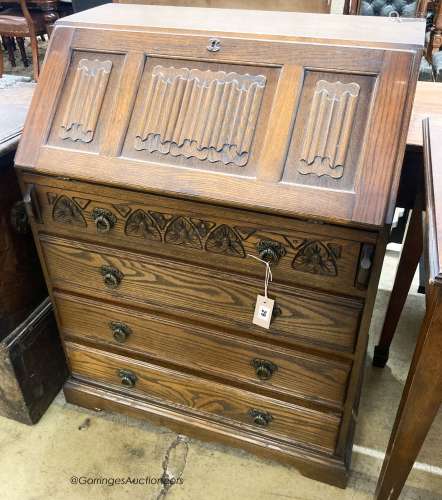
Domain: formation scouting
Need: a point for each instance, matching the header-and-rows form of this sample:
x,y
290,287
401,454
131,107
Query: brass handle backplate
x,y
264,369
260,417
128,378
112,276
270,251
120,331
104,219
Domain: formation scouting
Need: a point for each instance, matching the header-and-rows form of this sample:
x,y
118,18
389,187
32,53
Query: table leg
x,y
9,42
419,405
21,46
410,255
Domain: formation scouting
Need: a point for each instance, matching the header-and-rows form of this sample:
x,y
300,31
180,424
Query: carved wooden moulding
x,y
85,100
329,127
317,257
67,211
209,115
185,231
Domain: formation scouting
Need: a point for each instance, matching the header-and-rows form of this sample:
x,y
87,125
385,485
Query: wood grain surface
x,y
300,375
290,422
214,298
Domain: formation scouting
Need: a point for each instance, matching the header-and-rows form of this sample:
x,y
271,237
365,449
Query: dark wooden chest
x,y
32,362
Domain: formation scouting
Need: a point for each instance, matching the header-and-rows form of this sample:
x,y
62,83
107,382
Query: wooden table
x,y
15,99
321,6
48,7
427,103
422,395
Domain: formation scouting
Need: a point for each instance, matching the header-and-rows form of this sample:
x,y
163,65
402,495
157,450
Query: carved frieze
x,y
224,240
311,256
141,225
181,231
123,210
82,202
160,219
203,226
51,197
329,128
317,257
86,96
209,115
66,211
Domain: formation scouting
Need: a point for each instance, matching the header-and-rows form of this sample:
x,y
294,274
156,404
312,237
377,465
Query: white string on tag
x,y
268,276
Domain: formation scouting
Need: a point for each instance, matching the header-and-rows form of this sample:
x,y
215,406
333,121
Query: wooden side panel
x,y
209,399
49,86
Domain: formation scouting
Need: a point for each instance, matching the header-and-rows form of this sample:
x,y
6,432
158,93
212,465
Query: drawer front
x,y
209,399
191,292
323,256
296,374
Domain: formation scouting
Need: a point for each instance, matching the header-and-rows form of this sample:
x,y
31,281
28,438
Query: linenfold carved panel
x,y
209,115
329,128
79,120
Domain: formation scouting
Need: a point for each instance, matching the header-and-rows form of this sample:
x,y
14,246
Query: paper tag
x,y
263,311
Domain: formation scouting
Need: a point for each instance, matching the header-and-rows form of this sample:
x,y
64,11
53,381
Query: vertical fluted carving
x,y
329,127
85,100
203,114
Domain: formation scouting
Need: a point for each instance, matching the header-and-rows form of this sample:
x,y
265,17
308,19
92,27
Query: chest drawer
x,y
209,399
210,351
326,257
211,297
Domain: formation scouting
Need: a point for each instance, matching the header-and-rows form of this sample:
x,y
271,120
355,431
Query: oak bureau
x,y
166,148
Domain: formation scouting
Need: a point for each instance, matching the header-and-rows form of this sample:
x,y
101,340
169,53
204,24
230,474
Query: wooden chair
x,y
409,8
435,39
19,24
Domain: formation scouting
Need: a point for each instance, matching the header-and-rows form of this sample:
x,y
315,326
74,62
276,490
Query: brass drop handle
x,y
260,417
270,251
128,378
104,220
112,276
264,369
120,331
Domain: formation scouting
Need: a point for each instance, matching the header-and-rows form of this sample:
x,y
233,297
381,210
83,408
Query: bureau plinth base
x,y
323,468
